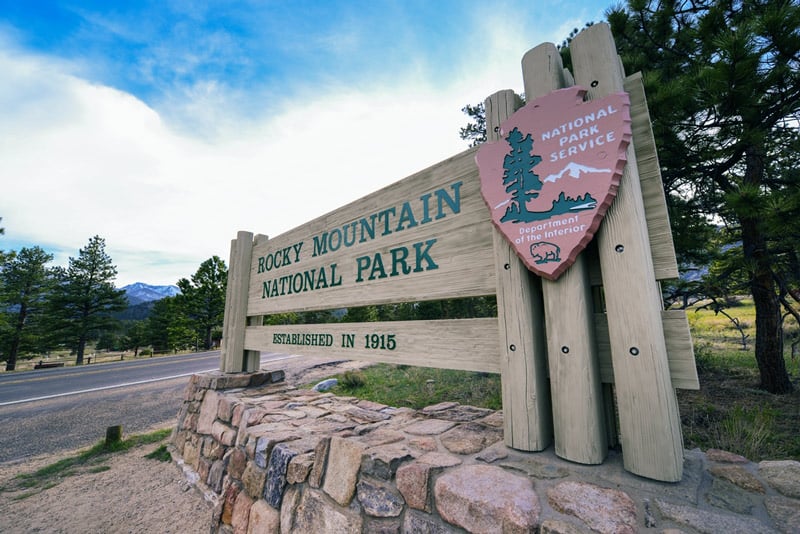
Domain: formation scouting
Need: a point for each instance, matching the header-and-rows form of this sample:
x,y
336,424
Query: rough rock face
x,y
603,510
784,476
487,499
279,459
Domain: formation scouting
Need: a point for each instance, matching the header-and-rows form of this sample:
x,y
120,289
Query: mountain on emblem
x,y
573,170
579,148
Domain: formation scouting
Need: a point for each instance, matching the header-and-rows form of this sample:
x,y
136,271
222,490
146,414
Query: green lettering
x,y
426,217
338,234
284,279
297,247
334,281
399,256
297,287
322,281
421,255
453,202
362,263
308,283
320,245
367,228
406,216
349,242
385,215
377,267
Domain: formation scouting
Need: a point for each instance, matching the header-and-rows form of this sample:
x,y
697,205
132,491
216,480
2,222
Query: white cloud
x,y
79,159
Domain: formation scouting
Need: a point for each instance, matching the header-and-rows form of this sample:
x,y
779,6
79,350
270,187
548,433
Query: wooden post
x,y
113,435
648,409
523,358
233,358
576,391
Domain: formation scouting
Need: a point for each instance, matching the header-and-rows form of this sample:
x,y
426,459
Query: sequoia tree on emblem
x,y
551,178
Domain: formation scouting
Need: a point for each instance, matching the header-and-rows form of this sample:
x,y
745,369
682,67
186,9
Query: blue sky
x,y
167,126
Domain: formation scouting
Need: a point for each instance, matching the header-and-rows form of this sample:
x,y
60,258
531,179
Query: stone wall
x,y
276,459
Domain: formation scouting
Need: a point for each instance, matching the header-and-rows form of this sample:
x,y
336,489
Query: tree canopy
x,y
723,86
24,284
202,298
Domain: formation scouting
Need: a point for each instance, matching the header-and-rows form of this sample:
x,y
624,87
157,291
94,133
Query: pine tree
x,y
84,297
24,284
202,299
723,86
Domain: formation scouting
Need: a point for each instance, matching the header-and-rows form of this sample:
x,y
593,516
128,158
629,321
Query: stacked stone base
x,y
276,459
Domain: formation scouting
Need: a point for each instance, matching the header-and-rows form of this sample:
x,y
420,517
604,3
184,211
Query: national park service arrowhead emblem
x,y
551,178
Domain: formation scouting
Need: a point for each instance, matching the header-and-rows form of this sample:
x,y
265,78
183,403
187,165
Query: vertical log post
x,y
233,357
523,358
648,409
576,391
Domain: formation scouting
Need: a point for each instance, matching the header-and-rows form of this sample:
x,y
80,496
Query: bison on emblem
x,y
544,252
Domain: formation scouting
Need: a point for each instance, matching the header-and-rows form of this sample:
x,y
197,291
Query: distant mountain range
x,y
139,292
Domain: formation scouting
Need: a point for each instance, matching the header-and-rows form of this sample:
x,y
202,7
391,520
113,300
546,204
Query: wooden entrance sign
x,y
430,236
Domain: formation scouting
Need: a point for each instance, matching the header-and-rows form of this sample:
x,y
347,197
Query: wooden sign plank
x,y
527,414
682,368
648,409
465,344
425,237
576,391
665,264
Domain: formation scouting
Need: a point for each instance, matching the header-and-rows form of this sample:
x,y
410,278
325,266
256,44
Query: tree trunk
x,y
208,341
769,334
16,337
11,361
80,350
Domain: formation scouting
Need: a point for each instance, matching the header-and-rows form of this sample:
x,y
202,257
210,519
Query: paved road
x,y
50,410
47,383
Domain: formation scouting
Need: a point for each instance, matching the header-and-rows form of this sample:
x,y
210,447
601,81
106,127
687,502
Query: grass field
x,y
728,412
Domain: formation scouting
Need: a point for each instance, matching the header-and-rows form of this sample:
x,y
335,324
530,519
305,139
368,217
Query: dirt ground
x,y
124,493
133,495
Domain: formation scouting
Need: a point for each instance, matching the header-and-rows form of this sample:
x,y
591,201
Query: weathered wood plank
x,y
232,356
527,412
648,409
682,368
404,217
465,344
575,388
662,248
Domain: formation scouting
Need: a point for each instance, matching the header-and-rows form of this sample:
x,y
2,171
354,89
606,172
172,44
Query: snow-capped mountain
x,y
140,292
574,170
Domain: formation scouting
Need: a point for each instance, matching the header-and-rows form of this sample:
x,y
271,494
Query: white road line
x,y
149,380
90,390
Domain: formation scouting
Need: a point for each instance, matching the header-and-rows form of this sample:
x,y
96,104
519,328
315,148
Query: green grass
x,y
729,412
161,454
417,387
87,461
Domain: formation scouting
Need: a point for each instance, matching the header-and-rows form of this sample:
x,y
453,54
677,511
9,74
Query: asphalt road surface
x,y
51,410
